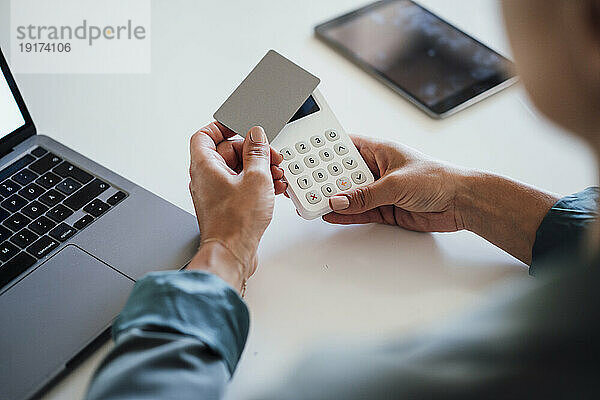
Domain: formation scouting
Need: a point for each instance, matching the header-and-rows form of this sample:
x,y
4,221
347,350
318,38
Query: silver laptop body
x,y
66,268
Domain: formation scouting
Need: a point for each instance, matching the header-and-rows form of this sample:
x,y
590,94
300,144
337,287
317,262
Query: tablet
x,y
425,59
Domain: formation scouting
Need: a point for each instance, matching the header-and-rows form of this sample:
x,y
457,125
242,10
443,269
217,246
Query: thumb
x,y
256,151
364,198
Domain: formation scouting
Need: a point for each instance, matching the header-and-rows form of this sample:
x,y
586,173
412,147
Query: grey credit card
x,y
269,96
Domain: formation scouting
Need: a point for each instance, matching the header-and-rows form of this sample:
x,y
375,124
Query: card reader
x,y
320,159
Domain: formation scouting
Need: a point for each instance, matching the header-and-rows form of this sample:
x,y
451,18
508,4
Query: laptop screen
x,y
11,117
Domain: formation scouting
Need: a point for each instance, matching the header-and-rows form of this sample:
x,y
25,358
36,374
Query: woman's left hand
x,y
233,186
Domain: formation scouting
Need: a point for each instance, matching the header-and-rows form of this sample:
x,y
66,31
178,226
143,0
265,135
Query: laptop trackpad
x,y
52,314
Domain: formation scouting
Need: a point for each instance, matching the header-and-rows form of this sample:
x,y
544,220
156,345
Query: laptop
x,y
74,238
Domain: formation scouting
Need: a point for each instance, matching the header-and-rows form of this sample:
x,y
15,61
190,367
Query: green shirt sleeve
x,y
562,229
180,334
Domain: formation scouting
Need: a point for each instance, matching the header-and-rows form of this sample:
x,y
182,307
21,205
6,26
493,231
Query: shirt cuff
x,y
563,228
193,303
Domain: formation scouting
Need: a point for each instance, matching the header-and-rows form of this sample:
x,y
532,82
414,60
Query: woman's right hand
x,y
418,193
411,190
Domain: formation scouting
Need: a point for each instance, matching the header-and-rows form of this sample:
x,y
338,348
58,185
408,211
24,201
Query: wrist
x,y
237,241
215,258
468,200
505,212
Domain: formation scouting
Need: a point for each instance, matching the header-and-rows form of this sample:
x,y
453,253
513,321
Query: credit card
x,y
269,96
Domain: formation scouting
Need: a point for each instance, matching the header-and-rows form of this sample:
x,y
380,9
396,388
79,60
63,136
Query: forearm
x,y
506,213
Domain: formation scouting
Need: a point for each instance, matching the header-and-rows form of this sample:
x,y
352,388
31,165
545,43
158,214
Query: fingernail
x,y
257,135
339,203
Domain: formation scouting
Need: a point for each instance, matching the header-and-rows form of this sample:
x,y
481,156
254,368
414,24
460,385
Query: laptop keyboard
x,y
39,193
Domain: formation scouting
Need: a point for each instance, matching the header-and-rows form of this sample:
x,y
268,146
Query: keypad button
x,y
304,182
14,203
311,161
62,232
326,155
17,221
332,135
313,197
96,208
34,209
45,163
295,167
31,191
340,149
51,198
59,213
359,177
343,183
83,221
320,175
24,238
8,251
334,168
4,234
41,225
13,268
38,152
68,186
349,163
328,190
9,187
115,198
4,214
24,177
48,180
42,247
67,169
317,140
287,153
302,147
86,194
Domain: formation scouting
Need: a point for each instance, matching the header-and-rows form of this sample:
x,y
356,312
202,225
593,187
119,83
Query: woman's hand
x,y
411,190
421,194
233,186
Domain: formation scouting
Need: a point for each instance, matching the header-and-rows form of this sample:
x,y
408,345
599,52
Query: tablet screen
x,y
420,53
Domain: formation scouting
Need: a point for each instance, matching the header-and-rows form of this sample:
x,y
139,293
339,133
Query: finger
x,y
276,172
365,146
225,131
276,157
359,141
238,148
280,187
231,151
213,132
256,153
203,150
371,216
379,193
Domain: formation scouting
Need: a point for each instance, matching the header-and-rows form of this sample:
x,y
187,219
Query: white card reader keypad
x,y
319,159
322,168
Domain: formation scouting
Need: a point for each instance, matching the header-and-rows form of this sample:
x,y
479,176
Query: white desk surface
x,y
314,280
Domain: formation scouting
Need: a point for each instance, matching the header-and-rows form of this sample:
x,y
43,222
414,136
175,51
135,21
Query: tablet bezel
x,y
445,107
